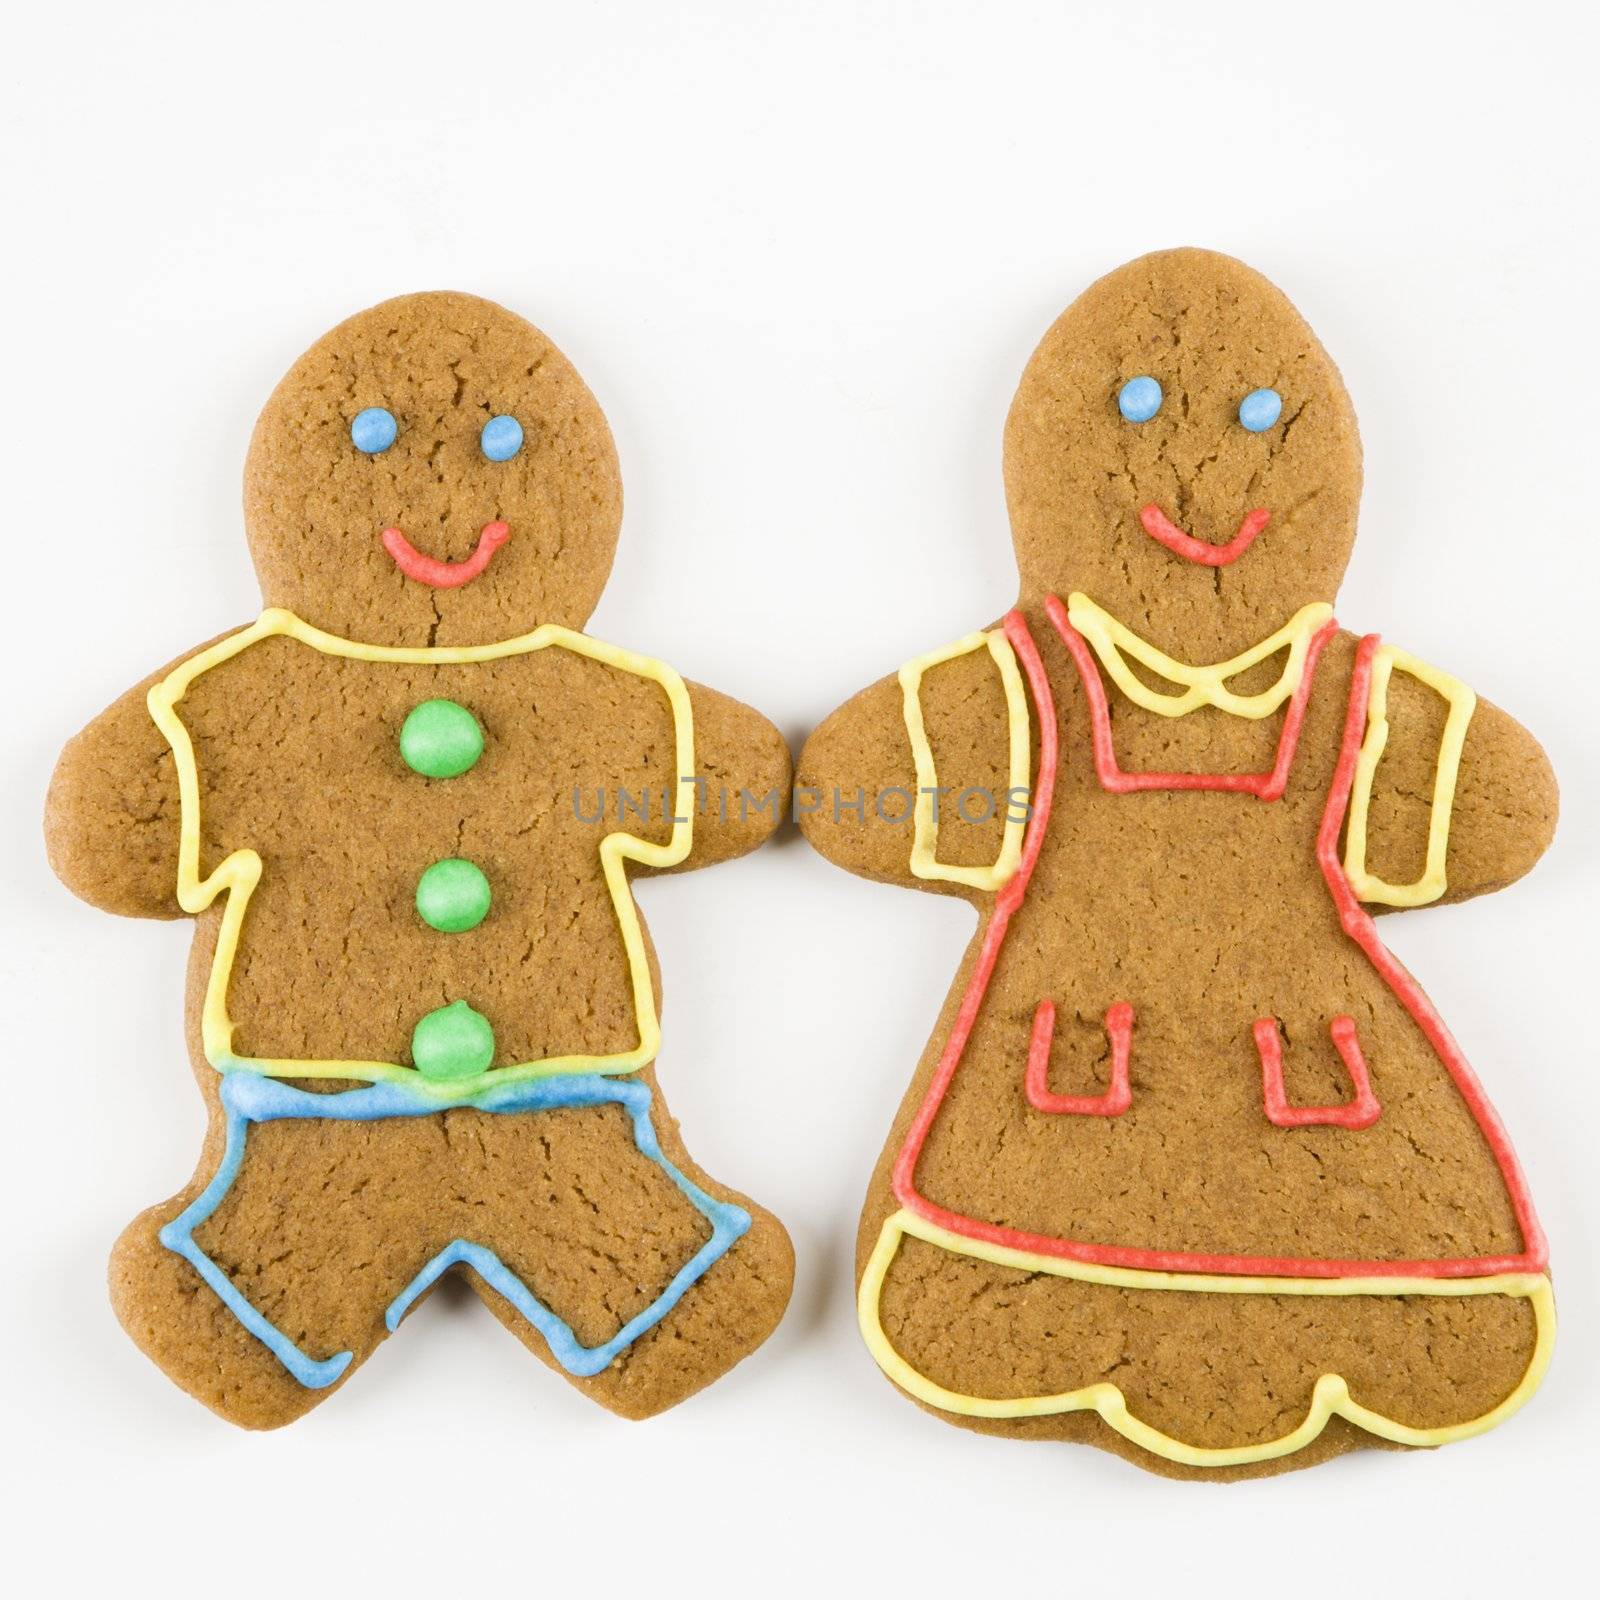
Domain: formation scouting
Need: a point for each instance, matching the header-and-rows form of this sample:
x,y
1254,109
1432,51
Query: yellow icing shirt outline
x,y
1330,1396
925,827
1203,686
239,873
1462,702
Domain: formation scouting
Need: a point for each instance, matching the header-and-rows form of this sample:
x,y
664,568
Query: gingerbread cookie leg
x,y
247,1318
695,1310
168,1311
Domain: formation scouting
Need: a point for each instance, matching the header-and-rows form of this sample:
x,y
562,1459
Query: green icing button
x,y
441,739
453,896
452,1042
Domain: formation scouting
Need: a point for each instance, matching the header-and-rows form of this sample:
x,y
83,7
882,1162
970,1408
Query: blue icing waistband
x,y
249,1097
258,1098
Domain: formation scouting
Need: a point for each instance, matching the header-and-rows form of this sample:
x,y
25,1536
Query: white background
x,y
801,254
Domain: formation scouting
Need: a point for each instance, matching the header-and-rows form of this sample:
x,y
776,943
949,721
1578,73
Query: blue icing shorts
x,y
249,1097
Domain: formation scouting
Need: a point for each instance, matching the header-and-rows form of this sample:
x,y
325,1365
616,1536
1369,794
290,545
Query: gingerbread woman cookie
x,y
1191,1168
403,807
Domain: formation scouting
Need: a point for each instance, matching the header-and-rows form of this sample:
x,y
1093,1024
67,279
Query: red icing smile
x,y
445,574
1186,545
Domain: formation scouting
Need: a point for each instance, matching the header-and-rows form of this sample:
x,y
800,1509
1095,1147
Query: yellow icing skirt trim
x,y
1462,701
1329,1398
1204,686
925,824
239,874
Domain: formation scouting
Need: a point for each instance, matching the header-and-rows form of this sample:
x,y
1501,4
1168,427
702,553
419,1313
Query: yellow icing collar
x,y
1203,686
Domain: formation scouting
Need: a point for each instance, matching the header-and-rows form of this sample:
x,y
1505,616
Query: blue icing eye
x,y
501,438
1139,399
372,431
1260,409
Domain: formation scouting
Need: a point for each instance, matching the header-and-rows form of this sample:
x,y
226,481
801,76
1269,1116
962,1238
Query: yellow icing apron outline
x,y
925,827
1462,701
1205,686
241,871
1330,1397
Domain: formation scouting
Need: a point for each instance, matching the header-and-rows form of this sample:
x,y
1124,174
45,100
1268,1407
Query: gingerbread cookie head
x,y
1182,450
433,472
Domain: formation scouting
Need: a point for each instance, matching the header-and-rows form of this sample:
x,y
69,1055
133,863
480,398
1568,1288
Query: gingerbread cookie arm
x,y
112,815
1452,798
922,779
1506,806
743,774
861,747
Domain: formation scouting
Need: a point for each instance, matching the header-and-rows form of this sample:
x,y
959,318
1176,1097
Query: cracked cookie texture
x,y
1191,1168
398,1090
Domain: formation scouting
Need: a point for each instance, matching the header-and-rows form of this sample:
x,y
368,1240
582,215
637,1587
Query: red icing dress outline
x,y
1357,925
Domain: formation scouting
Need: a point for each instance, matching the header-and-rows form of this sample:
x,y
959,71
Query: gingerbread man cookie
x,y
403,807
1191,1168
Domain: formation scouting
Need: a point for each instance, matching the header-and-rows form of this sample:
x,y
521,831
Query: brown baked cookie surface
x,y
1191,1169
404,806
